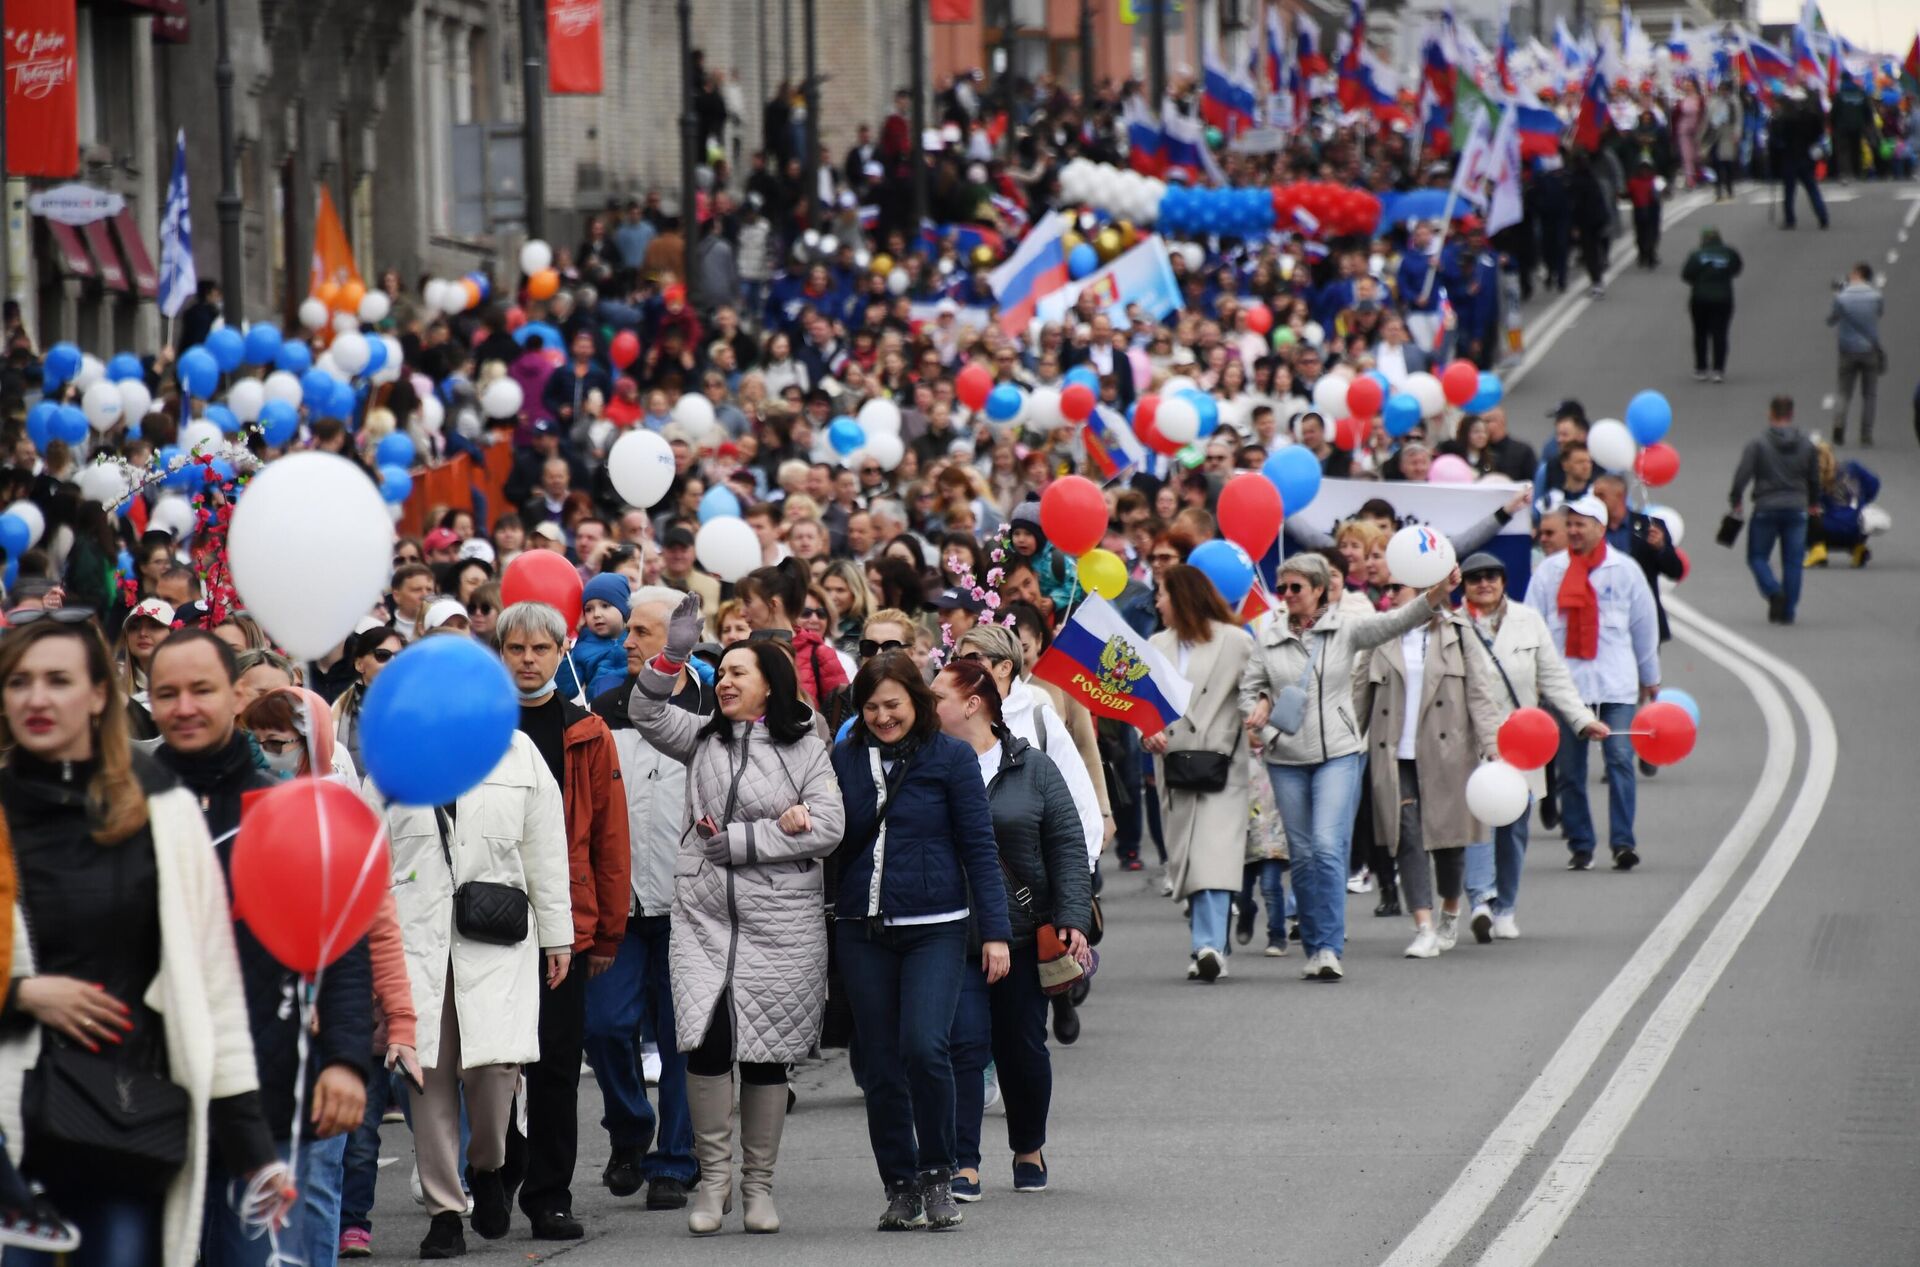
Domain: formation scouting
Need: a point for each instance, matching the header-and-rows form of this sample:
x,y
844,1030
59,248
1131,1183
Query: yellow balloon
x,y
1129,235
982,255
1068,241
1107,243
882,264
1102,572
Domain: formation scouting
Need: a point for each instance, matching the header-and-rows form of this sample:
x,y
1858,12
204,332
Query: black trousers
x,y
553,1099
1710,321
713,1058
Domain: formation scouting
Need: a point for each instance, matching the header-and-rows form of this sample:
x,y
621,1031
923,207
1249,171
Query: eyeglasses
x,y
1485,578
58,615
869,648
280,747
870,470
1160,556
1292,587
382,654
819,612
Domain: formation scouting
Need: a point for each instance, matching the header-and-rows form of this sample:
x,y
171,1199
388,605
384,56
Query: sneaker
x,y
622,1176
965,1190
1719,377
1243,922
1166,886
444,1238
905,1209
1482,923
992,1077
1448,932
1208,965
40,1226
1030,1176
1193,969
1504,929
1699,376
936,1197
1360,882
419,1193
1425,945
356,1242
1293,930
1276,947
1580,860
1860,556
650,1064
1625,859
1596,292
1133,864
664,1192
556,1225
1330,969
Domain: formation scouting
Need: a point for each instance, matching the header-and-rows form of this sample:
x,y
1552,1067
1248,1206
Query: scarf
x,y
1581,605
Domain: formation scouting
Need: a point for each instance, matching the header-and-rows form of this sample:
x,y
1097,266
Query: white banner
x,y
1448,508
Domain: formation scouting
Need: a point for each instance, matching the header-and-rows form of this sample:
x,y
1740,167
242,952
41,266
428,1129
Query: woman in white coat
x,y
478,1003
1206,827
1527,670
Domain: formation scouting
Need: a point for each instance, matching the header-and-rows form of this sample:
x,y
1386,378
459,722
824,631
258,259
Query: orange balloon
x,y
471,290
544,284
351,293
328,293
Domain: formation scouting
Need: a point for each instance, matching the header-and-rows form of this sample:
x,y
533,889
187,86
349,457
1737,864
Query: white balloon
x,y
135,400
36,522
1612,445
91,371
502,399
1177,420
829,244
391,368
1426,389
245,399
1194,254
202,435
725,547
326,363
175,514
1497,794
1676,526
375,307
283,385
1416,555
313,315
433,414
898,281
1043,407
1177,384
535,257
104,483
886,448
640,464
695,412
879,415
350,353
1330,396
430,294
343,322
308,588
102,405
811,239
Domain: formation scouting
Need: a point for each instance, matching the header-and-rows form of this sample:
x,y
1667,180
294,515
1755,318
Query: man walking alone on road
x,y
1785,473
1709,274
1856,311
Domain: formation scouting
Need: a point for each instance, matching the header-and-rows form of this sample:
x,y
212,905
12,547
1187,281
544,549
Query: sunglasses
x,y
1292,587
819,612
869,648
1485,578
58,615
870,470
381,655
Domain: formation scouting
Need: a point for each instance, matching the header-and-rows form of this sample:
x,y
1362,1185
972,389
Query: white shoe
x,y
993,1087
1276,950
1504,929
419,1193
1482,923
650,1063
1361,883
1425,945
1448,933
1193,969
1208,965
1166,886
1323,965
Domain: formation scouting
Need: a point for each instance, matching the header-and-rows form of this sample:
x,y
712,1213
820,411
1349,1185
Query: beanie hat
x,y
611,588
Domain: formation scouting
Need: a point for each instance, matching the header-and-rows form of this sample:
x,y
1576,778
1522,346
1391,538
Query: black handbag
x,y
484,910
87,1114
1200,771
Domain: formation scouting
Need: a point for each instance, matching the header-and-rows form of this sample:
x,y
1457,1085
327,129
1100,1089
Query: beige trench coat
x,y
1206,832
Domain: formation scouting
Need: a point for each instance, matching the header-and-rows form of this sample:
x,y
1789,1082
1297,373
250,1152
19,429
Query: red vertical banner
x,y
43,98
574,61
951,10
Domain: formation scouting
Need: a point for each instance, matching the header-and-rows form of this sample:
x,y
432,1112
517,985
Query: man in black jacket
x,y
192,689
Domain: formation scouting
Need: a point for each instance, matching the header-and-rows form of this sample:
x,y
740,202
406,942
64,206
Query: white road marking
x,y
1913,212
1828,401
1454,1216
1541,1216
1893,257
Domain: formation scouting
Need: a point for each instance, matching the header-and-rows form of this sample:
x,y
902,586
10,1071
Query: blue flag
x,y
178,279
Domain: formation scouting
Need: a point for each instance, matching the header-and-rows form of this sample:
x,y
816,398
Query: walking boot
x,y
763,1114
1389,899
1816,555
710,1105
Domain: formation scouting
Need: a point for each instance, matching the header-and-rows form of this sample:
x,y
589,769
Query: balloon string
x,y
579,687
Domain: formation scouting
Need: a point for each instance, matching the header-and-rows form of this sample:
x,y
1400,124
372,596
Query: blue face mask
x,y
538,691
283,765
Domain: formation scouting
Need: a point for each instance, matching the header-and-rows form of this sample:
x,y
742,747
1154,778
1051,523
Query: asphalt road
x,y
1712,1060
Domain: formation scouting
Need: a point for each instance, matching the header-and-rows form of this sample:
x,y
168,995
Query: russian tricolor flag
x,y
1276,52
1540,129
1307,53
1037,268
1226,102
1111,444
1591,124
1354,89
1098,659
1503,59
1146,147
1183,147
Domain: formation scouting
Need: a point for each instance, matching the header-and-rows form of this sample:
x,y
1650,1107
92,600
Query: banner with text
x,y
42,71
575,64
1450,509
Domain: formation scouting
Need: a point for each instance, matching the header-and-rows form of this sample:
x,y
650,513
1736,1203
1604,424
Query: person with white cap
x,y
445,613
146,626
1601,613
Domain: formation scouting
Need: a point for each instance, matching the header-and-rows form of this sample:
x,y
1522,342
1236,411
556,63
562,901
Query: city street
x,y
1710,1060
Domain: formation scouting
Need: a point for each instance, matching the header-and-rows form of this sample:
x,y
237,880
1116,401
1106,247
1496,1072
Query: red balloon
x,y
1076,403
1460,381
1143,426
1259,318
516,317
1073,514
1365,396
1528,738
625,349
1249,512
1349,433
1668,733
310,867
543,576
972,385
1657,464
1686,564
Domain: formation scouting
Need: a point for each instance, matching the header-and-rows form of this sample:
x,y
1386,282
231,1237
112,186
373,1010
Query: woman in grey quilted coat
x,y
749,949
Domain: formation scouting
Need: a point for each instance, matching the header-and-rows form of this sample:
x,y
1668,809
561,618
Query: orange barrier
x,y
458,484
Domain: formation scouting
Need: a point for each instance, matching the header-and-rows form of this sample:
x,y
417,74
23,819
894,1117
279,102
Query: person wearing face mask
x,y
578,751
749,950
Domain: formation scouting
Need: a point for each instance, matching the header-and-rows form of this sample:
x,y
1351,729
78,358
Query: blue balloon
x,y
1400,414
1229,567
262,344
1674,695
124,564
15,533
550,336
225,470
62,363
719,503
345,401
278,421
1084,374
1649,417
1207,407
395,450
395,484
1005,402
199,372
1490,393
1295,473
437,721
1083,259
223,418
40,423
70,424
228,348
188,476
316,389
1386,384
124,366
845,436
376,355
294,357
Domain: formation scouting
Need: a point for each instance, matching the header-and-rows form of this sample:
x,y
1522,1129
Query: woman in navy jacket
x,y
917,861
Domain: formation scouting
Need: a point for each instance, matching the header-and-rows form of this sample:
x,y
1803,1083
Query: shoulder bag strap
x,y
1488,644
1846,315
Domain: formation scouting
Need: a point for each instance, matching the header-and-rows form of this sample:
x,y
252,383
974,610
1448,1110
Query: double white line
x,y
1533,1227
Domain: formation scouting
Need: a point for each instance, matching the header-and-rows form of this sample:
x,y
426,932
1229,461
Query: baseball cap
x,y
1482,562
550,530
155,609
440,612
545,427
954,598
441,539
676,536
1587,506
477,548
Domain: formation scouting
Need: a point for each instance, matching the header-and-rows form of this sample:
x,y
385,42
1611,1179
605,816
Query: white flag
x,y
1476,157
1504,207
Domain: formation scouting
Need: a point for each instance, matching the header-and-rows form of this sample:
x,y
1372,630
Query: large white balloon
x,y
174,514
350,353
1497,794
375,307
102,405
201,435
433,414
640,464
1177,420
36,522
695,412
1417,555
1177,384
309,588
104,483
535,256
886,448
283,385
313,315
135,400
502,399
91,371
879,415
389,371
1330,396
345,322
245,399
1043,408
725,547
1426,389
1612,445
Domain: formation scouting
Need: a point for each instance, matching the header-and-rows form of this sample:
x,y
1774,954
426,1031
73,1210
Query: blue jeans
x,y
362,1168
1007,1022
313,1230
904,986
114,1230
1570,773
1273,890
1316,804
1207,918
1789,529
1493,870
628,998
